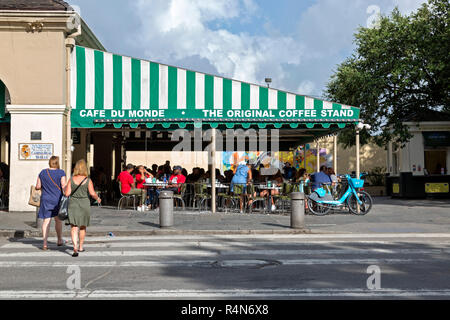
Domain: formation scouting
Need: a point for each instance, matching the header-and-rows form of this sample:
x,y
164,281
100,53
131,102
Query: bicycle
x,y
321,203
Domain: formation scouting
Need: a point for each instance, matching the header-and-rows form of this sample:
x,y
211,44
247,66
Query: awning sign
x,y
106,86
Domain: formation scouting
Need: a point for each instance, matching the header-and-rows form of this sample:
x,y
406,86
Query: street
x,y
312,266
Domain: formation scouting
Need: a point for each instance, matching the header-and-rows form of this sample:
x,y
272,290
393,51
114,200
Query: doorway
x,y
435,160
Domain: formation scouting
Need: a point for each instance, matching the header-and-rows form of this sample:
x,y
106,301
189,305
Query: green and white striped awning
x,y
109,88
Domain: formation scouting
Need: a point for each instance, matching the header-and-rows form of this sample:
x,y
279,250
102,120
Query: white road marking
x,y
212,252
202,263
279,237
196,244
224,293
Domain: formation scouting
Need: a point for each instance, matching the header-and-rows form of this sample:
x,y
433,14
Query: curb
x,y
20,234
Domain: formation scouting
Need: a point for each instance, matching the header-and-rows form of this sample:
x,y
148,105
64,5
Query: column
x,y
318,156
213,171
24,172
335,154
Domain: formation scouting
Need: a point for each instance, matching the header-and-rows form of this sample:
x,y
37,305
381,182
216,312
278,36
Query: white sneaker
x,y
274,207
139,208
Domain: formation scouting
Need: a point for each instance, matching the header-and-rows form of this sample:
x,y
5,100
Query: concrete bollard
x,y
297,210
166,209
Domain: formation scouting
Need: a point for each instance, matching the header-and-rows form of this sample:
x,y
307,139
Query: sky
x,y
297,43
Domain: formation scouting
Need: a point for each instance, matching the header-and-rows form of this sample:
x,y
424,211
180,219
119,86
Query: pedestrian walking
x,y
51,182
242,176
79,205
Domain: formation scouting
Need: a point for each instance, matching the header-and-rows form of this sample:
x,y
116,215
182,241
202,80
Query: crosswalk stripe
x,y
214,252
199,244
306,237
204,263
224,293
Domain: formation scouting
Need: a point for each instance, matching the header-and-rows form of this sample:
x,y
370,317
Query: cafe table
x,y
157,184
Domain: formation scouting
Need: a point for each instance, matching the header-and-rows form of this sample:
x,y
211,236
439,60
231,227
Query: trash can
x,y
297,210
166,209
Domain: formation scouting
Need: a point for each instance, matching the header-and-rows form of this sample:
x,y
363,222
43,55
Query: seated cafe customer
x,y
128,186
141,175
176,179
320,178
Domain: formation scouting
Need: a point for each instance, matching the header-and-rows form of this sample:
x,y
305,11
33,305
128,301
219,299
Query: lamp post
x,y
268,81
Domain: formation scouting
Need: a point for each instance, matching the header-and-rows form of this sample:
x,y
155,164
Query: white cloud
x,y
202,34
326,32
306,87
177,29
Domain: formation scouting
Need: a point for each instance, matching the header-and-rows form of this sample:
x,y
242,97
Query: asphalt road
x,y
412,266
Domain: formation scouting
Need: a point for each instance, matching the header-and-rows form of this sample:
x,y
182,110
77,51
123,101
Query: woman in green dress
x,y
79,204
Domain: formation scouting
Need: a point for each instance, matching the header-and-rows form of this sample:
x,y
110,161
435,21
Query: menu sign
x,y
35,151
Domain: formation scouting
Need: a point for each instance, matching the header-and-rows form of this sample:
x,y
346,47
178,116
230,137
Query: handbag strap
x,y
69,181
53,181
73,192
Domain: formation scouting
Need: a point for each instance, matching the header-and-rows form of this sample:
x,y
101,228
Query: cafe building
x,y
62,93
419,169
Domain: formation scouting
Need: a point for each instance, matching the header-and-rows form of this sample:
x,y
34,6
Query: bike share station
x,y
113,96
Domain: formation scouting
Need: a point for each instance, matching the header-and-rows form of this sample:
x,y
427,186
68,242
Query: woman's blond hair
x,y
80,168
54,162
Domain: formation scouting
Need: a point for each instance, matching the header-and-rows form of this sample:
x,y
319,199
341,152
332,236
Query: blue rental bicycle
x,y
321,201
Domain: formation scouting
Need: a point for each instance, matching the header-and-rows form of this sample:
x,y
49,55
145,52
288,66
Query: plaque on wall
x,y
35,151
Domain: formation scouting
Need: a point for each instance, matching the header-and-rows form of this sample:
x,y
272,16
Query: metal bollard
x,y
297,210
166,209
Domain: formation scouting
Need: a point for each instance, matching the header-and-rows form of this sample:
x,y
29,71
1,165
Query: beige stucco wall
x,y
187,160
371,156
33,67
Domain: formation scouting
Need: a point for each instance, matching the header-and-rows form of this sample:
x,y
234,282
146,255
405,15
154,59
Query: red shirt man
x,y
176,179
126,179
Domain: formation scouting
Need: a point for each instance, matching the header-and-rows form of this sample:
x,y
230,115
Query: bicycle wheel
x,y
366,205
319,209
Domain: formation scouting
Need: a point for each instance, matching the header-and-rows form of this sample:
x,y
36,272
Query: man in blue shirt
x,y
320,177
288,171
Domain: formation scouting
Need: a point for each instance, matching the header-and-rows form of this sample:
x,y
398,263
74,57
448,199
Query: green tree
x,y
399,68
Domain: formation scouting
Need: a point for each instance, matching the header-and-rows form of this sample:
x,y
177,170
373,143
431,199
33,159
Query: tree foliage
x,y
399,68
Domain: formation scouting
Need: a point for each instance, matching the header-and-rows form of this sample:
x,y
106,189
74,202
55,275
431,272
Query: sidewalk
x,y
387,216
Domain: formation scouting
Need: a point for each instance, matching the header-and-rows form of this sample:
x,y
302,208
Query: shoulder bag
x,y
35,197
63,213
